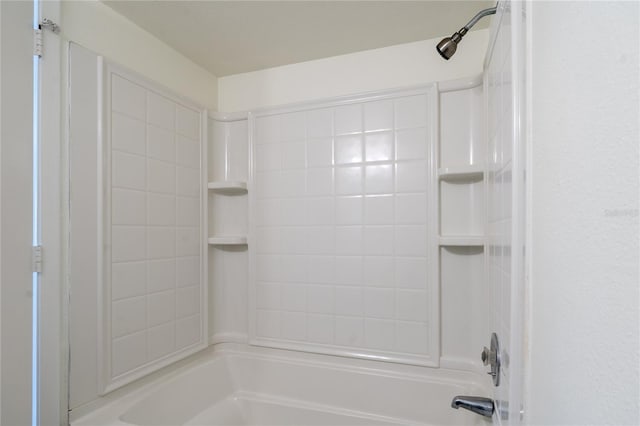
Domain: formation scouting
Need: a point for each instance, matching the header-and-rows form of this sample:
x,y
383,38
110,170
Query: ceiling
x,y
231,37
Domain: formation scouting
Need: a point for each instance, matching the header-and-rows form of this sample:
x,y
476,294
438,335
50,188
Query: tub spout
x,y
477,404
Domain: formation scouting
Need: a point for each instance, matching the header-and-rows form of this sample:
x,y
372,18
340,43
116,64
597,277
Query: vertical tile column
x,y
154,282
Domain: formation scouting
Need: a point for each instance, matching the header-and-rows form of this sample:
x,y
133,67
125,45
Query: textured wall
x,y
584,331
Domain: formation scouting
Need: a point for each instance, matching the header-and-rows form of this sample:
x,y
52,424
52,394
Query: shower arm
x,y
475,19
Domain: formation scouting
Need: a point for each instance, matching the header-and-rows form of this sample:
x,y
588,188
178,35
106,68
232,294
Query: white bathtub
x,y
232,386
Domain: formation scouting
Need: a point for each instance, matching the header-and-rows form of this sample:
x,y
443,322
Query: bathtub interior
x,y
232,387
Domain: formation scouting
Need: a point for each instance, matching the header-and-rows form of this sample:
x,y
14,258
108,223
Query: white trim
x,y
460,84
228,117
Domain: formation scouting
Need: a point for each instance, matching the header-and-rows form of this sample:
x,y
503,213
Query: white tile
x,y
319,182
294,297
161,177
411,177
411,241
187,211
378,115
320,299
128,98
268,324
348,270
161,111
161,144
268,296
294,240
349,331
294,268
349,180
378,209
268,212
161,340
293,126
411,337
268,129
349,210
127,134
294,326
187,242
411,272
127,243
187,301
128,207
268,157
187,152
268,240
411,209
128,352
268,268
127,171
294,211
379,334
128,316
293,183
187,181
348,301
187,271
348,240
378,271
412,305
321,269
128,280
320,240
161,275
187,331
320,211
320,328
379,179
411,111
161,307
378,240
379,146
320,152
411,144
160,243
162,209
319,123
294,155
187,123
348,149
378,303
348,119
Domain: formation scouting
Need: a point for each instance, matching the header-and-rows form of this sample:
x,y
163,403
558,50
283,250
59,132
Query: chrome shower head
x,y
448,45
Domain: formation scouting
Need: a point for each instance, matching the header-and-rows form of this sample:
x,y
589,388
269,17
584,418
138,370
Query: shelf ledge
x,y
474,172
228,187
228,241
462,240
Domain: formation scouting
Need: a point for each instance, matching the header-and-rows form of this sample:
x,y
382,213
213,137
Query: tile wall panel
x,y
155,283
340,227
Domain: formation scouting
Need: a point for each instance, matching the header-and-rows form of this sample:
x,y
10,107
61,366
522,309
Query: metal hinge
x,y
46,24
36,258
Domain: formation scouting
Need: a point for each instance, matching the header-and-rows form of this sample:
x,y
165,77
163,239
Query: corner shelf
x,y
228,187
236,240
461,173
462,241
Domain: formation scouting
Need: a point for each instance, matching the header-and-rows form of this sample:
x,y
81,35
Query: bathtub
x,y
236,385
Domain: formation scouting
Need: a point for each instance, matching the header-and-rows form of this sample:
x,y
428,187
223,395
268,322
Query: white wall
x,y
390,67
97,27
584,338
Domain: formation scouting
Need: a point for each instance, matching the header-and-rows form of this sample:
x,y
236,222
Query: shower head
x,y
448,45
